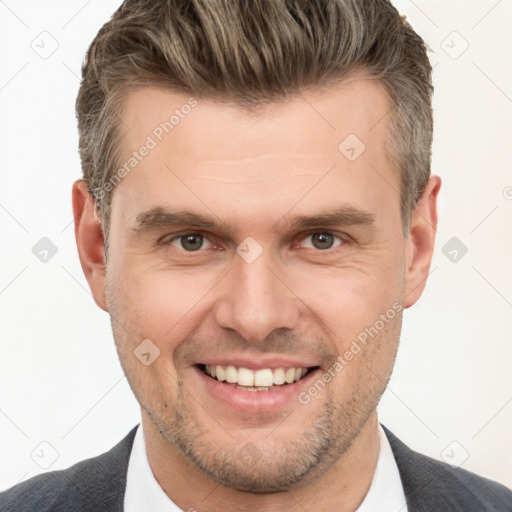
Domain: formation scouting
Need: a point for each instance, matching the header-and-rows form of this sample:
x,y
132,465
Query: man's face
x,y
251,241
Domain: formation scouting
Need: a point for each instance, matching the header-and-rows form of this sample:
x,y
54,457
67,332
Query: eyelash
x,y
342,237
181,235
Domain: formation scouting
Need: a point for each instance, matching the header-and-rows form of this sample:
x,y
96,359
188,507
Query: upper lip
x,y
259,363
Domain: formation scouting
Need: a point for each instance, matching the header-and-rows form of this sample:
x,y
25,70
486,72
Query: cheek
x,y
162,304
366,359
350,298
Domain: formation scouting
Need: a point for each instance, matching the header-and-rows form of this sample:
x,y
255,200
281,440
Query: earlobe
x,y
90,243
420,245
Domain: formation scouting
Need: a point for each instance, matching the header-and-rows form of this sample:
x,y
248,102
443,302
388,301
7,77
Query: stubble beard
x,y
273,466
266,467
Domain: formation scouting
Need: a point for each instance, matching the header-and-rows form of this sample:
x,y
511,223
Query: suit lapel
x,y
100,485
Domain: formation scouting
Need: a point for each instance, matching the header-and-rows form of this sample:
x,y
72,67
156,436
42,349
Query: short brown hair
x,y
251,52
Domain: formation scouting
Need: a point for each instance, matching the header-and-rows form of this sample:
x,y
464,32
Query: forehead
x,y
322,146
357,105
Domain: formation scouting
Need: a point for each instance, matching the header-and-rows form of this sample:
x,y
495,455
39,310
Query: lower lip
x,y
255,401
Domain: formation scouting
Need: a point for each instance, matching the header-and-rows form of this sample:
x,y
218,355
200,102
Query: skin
x,y
252,175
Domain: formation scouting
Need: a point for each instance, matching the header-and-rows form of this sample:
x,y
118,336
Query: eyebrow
x,y
345,216
160,217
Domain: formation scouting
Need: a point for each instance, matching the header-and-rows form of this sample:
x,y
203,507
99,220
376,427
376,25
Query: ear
x,y
89,241
420,244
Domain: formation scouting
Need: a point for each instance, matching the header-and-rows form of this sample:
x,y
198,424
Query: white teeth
x,y
264,377
221,374
245,377
253,388
231,374
279,376
289,375
259,380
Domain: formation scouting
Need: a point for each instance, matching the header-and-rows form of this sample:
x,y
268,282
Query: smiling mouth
x,y
265,379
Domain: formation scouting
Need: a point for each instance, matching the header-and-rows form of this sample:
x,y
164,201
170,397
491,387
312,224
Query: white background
x,y
60,381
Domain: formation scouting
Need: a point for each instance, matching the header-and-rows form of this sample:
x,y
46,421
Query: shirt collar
x,y
386,493
143,492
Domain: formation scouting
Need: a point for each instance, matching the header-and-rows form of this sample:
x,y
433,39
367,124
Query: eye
x,y
321,241
190,242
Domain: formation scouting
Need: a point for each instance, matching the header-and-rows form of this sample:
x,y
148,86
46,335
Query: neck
x,y
342,487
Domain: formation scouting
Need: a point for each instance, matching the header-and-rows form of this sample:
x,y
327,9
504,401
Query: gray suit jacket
x,y
98,485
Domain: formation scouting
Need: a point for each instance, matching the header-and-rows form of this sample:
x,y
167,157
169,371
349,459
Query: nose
x,y
254,301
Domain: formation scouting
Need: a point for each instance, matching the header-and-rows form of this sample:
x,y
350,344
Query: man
x,y
257,211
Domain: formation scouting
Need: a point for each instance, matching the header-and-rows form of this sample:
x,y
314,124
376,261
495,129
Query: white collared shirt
x,y
386,493
143,492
